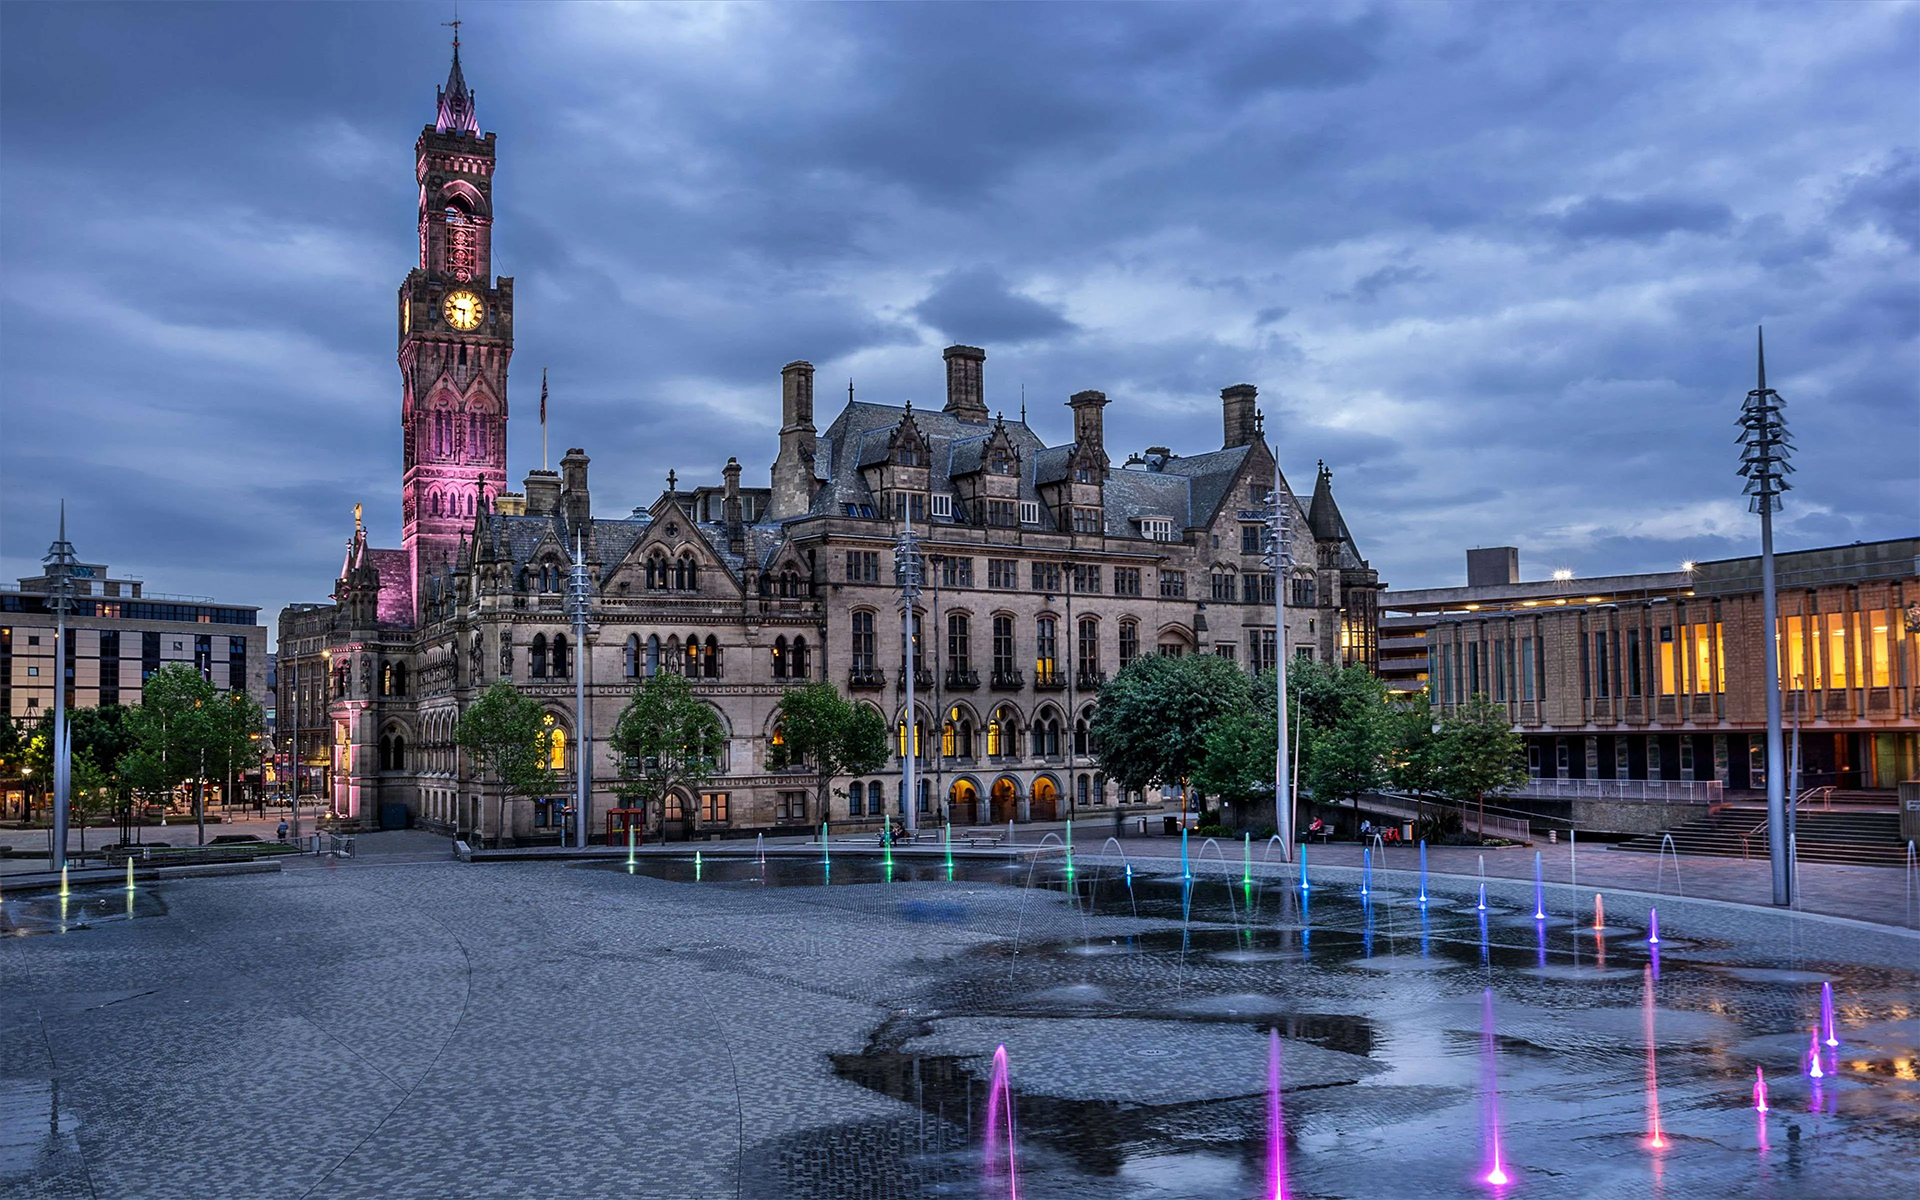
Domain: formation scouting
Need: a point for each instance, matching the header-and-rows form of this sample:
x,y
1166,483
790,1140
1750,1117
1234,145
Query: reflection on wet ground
x,y
1138,1049
23,915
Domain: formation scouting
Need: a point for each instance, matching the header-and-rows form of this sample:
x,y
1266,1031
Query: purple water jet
x,y
1653,927
1276,1124
999,1123
1813,1057
1759,1090
1539,891
1826,1015
1496,1173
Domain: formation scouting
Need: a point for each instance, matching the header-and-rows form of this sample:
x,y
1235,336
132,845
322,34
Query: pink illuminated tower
x,y
456,336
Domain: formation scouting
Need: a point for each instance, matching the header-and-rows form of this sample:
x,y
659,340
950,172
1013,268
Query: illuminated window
x,y
1879,622
556,744
713,807
1836,649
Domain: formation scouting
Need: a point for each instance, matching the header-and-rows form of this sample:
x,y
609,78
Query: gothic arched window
x,y
630,657
799,667
653,655
780,658
710,658
399,753
560,656
537,657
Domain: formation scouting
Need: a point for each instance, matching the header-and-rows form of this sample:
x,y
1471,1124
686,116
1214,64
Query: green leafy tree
x,y
1239,759
172,730
666,738
1346,732
832,737
1479,754
507,734
235,728
1152,722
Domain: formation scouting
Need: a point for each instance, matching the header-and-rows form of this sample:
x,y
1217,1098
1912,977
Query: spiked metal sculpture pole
x,y
1279,559
579,598
59,562
907,565
1763,462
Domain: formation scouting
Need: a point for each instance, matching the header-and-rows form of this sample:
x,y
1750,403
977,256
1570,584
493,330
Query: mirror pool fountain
x,y
1468,1046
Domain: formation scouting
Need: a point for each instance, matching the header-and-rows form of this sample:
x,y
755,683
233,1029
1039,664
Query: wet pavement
x,y
801,1030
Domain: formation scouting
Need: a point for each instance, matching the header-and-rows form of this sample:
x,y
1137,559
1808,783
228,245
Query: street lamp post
x,y
1279,559
59,562
1766,447
579,599
907,568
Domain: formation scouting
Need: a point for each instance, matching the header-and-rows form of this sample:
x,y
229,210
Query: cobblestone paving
x,y
402,1026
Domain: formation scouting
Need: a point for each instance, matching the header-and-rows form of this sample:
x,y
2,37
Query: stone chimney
x,y
966,394
1237,411
793,475
730,506
1089,426
543,493
576,503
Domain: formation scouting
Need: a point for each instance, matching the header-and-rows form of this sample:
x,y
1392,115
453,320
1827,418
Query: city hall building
x,y
1048,568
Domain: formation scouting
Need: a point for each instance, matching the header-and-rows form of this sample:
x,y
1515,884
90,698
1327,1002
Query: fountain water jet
x,y
1599,913
1653,927
1490,1096
759,846
1826,1015
129,872
1366,872
630,843
999,1124
1482,905
1303,866
1813,1057
1423,873
1539,891
1656,1139
1246,858
1759,1090
1186,870
1276,1123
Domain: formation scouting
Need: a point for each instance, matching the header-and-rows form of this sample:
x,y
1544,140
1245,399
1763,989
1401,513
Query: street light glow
x,y
1562,574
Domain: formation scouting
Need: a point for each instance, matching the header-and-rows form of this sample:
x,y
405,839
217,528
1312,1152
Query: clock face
x,y
463,310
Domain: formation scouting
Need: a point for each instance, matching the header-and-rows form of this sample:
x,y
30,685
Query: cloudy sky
x,y
1499,265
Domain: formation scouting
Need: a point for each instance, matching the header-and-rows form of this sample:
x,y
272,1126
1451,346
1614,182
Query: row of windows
x,y
696,659
133,610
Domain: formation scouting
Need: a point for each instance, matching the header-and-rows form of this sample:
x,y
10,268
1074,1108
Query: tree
x,y
1479,754
171,728
234,727
1239,759
1346,731
507,734
1413,756
1151,723
666,738
820,729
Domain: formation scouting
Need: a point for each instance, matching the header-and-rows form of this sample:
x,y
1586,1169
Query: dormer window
x,y
943,505
1001,463
1086,473
1158,529
1029,512
906,454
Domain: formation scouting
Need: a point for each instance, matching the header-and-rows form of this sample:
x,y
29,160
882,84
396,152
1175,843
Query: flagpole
x,y
543,419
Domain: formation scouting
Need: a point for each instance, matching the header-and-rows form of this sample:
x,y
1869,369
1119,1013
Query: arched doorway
x,y
963,803
1006,799
1046,800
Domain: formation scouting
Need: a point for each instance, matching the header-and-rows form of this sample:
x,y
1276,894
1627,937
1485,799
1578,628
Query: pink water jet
x,y
999,1122
1599,914
1656,1139
1490,1096
1759,1090
1813,1057
1276,1124
1826,1014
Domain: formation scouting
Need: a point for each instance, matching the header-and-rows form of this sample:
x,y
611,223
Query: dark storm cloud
x,y
1499,265
974,304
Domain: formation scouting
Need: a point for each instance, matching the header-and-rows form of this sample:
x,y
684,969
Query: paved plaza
x,y
406,1025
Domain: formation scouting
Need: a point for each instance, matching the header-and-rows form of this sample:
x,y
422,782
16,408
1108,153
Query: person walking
x,y
283,829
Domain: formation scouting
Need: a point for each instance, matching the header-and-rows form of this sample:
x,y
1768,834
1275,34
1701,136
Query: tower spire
x,y
456,112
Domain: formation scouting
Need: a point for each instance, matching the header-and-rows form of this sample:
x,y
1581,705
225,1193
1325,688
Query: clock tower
x,y
456,336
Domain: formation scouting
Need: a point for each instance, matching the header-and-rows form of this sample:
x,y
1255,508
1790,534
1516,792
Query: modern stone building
x,y
1048,568
118,634
1659,678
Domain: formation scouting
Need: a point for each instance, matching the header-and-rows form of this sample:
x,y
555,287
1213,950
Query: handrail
x,y
1825,792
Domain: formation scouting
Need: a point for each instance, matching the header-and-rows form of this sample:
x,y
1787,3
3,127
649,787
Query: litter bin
x,y
1143,827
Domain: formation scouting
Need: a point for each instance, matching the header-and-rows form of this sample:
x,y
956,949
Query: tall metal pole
x,y
293,759
579,597
1281,553
59,568
1763,462
907,567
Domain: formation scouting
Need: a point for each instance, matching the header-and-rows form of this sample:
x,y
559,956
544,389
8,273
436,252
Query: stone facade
x,y
1047,567
1662,677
